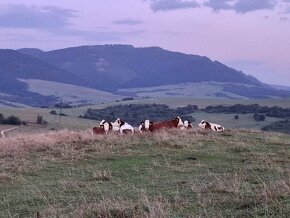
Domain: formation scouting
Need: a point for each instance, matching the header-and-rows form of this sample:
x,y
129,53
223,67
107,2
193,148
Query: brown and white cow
x,y
108,126
145,126
212,126
153,126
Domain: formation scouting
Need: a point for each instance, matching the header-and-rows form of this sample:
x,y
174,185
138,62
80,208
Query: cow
x,y
98,130
145,126
186,125
212,126
153,126
123,126
106,125
110,126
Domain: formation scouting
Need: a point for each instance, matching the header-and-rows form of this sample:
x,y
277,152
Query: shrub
x,y
53,112
12,120
279,126
259,117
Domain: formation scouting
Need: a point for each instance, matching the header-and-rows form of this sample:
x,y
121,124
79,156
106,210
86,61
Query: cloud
x,y
168,5
244,6
56,21
241,6
24,16
217,5
103,36
129,22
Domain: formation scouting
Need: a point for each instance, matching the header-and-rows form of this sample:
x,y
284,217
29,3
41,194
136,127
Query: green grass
x,y
169,174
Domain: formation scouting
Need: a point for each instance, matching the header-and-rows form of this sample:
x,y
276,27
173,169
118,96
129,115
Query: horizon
x,y
249,36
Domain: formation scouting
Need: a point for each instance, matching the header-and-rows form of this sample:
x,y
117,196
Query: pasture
x,y
236,173
73,122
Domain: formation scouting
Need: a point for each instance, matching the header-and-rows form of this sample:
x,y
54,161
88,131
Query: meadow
x,y
73,122
236,173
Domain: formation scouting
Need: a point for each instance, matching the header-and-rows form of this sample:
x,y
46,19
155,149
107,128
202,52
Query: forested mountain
x,y
114,67
111,67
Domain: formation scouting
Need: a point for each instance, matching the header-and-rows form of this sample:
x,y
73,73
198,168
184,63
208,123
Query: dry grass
x,y
194,173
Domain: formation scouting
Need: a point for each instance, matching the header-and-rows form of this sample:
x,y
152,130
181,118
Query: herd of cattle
x,y
121,127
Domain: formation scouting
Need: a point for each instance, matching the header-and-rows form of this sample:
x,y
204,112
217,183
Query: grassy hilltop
x,y
237,173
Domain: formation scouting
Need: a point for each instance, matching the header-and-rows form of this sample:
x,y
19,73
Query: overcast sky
x,y
249,35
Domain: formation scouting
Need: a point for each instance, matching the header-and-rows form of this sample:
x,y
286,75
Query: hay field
x,y
236,173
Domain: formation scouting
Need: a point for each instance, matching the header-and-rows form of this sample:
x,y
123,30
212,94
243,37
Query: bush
x,y
237,117
279,126
12,120
259,117
53,112
275,111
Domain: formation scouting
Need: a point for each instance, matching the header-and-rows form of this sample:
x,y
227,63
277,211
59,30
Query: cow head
x,y
204,124
179,121
102,122
185,123
118,122
141,127
147,124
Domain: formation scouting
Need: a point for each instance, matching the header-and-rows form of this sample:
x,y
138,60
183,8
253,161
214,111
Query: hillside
x,y
123,66
14,66
120,69
169,174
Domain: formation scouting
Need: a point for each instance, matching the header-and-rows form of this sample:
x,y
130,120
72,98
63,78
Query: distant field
x,y
168,174
70,93
201,103
54,122
73,122
227,120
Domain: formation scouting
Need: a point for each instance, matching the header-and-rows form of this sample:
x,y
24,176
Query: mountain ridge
x,y
114,67
130,67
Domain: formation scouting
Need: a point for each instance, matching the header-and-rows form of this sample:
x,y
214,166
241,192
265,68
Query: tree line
x,y
274,111
11,120
135,113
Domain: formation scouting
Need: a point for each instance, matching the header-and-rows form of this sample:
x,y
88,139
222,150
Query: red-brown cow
x,y
152,126
98,130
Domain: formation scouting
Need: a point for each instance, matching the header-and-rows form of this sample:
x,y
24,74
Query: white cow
x,y
109,126
123,126
215,127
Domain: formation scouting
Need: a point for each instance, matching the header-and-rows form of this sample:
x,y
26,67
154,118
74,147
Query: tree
x,y
1,118
53,112
259,117
39,119
12,120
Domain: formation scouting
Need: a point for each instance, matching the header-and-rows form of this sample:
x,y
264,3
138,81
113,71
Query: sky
x,y
248,35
